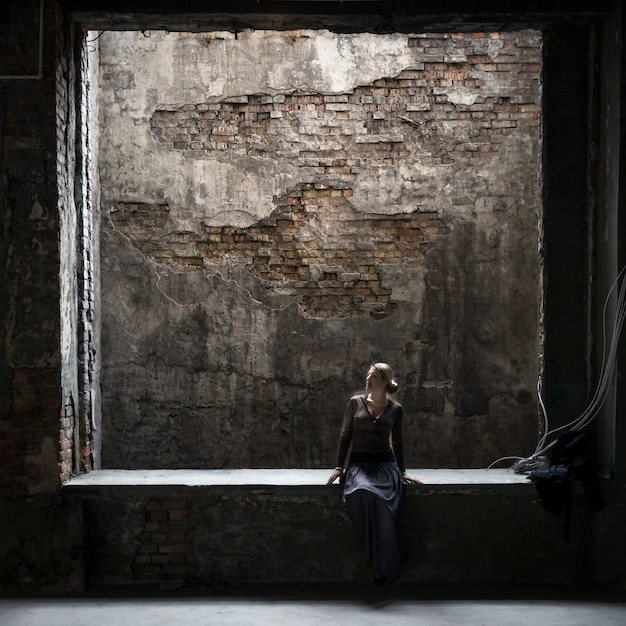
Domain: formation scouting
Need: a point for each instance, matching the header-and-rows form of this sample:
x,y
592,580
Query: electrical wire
x,y
539,458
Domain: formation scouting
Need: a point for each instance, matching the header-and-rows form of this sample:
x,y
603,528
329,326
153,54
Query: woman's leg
x,y
379,529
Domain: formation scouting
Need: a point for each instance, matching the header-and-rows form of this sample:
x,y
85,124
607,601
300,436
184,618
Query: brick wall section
x,y
67,457
305,124
297,249
260,125
166,548
86,275
78,263
63,83
315,248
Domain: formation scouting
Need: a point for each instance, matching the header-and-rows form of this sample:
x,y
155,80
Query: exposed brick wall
x,y
78,259
261,125
315,248
87,272
67,456
305,123
167,543
64,83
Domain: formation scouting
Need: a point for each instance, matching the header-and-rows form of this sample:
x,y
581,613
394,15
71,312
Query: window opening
x,y
280,209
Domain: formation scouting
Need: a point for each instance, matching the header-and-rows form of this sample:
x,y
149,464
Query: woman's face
x,y
374,380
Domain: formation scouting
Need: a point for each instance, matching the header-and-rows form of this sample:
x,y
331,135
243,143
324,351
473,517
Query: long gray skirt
x,y
374,497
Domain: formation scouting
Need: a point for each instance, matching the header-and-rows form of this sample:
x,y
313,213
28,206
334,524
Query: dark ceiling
x,y
378,16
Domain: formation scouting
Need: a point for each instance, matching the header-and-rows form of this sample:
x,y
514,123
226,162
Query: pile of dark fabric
x,y
570,461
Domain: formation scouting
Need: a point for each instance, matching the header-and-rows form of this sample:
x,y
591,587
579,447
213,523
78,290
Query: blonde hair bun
x,y
387,373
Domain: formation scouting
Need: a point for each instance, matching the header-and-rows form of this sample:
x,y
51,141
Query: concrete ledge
x,y
249,525
281,481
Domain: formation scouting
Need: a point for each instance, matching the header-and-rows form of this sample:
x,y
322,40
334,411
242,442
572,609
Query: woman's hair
x,y
387,373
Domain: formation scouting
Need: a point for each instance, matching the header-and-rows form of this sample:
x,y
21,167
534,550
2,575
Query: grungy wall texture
x,y
281,209
205,539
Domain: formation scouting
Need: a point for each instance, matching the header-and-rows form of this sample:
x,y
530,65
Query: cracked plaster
x,y
209,364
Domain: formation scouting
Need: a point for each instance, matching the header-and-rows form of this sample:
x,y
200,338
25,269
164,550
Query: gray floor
x,y
322,604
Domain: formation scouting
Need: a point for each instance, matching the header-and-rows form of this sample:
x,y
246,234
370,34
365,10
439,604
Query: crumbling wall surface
x,y
215,540
282,209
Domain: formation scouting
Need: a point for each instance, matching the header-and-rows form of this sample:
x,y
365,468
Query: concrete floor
x,y
322,604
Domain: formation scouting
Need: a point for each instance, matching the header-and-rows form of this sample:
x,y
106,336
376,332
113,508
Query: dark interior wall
x,y
30,357
207,537
606,548
568,266
30,353
41,538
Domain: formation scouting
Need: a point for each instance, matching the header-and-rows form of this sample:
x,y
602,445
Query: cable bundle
x,y
539,458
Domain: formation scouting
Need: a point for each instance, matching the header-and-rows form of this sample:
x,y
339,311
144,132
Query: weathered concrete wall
x,y
204,539
280,210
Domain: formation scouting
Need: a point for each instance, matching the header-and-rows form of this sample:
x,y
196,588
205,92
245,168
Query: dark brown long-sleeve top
x,y
370,436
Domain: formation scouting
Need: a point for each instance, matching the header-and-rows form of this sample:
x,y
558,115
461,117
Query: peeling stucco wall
x,y
281,209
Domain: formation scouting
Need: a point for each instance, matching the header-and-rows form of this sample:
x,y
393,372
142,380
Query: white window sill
x,y
313,481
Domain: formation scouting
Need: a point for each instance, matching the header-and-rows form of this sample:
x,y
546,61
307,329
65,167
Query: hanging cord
x,y
539,458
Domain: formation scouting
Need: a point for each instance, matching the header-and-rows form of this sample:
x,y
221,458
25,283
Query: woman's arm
x,y
344,442
398,449
396,440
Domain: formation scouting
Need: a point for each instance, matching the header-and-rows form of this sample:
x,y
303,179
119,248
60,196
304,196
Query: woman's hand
x,y
334,476
412,481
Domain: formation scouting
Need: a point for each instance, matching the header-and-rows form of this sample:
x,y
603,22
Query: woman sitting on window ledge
x,y
373,481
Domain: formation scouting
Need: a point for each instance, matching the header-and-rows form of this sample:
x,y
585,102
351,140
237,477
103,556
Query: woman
x,y
373,482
